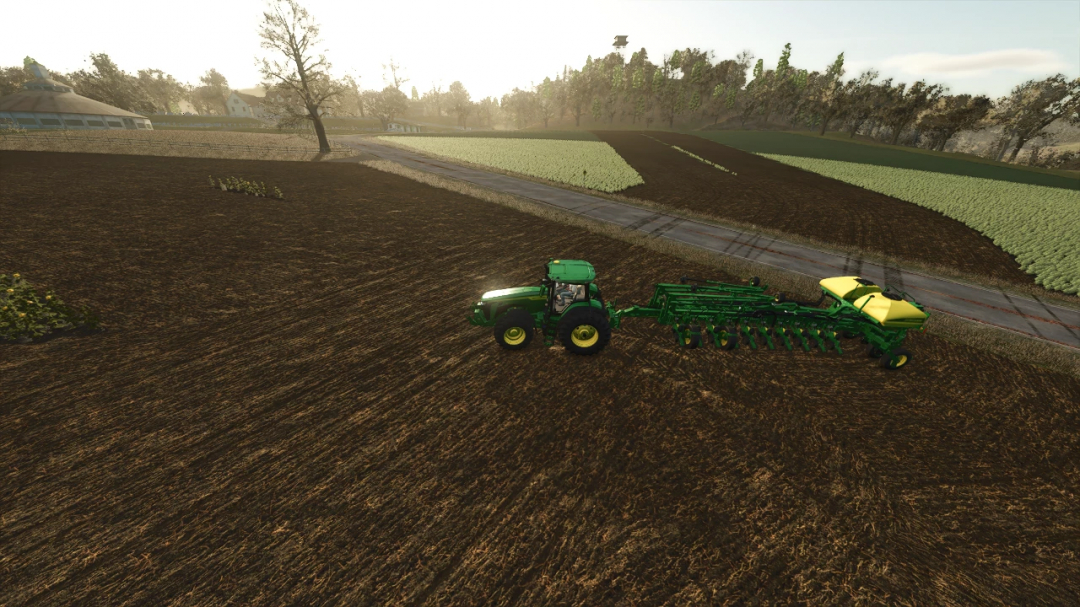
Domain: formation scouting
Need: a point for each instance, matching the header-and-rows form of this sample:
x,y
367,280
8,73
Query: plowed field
x,y
287,406
780,197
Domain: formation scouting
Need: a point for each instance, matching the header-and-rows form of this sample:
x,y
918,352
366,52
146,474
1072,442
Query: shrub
x,y
25,315
252,188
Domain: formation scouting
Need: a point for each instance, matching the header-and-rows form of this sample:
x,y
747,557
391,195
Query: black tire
x,y
691,340
584,342
514,330
730,340
895,359
780,298
874,352
849,334
755,281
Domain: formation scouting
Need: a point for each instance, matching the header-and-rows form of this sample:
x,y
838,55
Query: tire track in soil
x,y
375,441
780,197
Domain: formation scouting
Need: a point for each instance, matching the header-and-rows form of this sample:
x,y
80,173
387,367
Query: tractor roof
x,y
570,270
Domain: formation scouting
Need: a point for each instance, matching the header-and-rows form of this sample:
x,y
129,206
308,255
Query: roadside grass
x,y
835,146
1018,347
521,134
1032,290
184,143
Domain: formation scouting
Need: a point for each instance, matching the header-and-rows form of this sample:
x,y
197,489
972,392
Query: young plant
x,y
252,188
25,315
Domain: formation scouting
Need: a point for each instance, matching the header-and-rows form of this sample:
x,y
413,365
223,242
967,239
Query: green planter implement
x,y
567,306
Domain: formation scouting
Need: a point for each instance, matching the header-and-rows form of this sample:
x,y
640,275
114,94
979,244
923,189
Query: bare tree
x,y
394,77
291,30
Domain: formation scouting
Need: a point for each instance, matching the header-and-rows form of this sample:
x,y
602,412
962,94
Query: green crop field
x,y
808,145
587,164
1039,225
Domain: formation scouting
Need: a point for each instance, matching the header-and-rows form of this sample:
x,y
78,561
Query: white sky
x,y
978,47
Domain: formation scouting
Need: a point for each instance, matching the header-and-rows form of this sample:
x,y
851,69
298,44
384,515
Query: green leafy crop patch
x,y
25,315
1038,225
248,188
587,164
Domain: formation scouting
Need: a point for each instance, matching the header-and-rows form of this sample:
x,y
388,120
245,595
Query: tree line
x,y
689,86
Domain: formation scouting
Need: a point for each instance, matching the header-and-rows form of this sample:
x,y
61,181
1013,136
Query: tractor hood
x,y
512,293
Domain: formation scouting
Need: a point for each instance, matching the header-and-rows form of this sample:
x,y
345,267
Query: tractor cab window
x,y
566,294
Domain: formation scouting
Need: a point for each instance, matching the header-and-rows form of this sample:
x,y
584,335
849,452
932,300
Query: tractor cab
x,y
569,281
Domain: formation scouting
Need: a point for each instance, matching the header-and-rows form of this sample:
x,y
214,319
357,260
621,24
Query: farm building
x,y
247,106
47,104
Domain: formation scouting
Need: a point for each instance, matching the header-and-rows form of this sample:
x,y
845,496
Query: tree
x,y
290,30
952,114
433,99
828,95
164,90
215,90
520,106
858,95
395,78
487,111
756,90
415,95
908,105
1033,105
545,100
460,102
668,89
579,92
351,97
773,88
386,104
607,86
109,84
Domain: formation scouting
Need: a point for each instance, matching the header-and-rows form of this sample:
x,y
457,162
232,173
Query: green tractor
x,y
567,306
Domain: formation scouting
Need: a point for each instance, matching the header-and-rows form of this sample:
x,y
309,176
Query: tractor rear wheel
x,y
584,330
514,330
895,359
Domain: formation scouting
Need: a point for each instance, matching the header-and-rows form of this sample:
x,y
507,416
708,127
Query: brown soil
x,y
773,195
288,406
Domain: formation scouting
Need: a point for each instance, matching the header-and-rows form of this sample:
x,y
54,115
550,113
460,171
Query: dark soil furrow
x,y
343,436
776,196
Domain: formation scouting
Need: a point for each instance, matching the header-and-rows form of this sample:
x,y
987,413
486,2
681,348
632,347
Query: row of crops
x,y
1038,225
587,164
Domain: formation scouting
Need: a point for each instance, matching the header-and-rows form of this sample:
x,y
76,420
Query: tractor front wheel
x,y
584,330
514,330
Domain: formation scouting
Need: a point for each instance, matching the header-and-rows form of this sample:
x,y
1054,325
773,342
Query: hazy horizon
x,y
492,47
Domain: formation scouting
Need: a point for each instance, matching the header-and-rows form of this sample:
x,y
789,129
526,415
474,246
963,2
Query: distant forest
x,y
687,89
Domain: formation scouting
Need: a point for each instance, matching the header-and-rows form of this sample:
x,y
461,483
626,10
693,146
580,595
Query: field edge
x,y
1008,344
